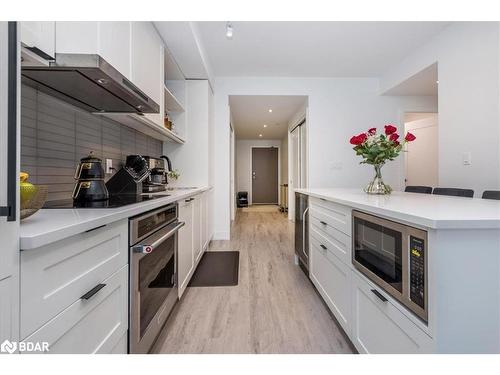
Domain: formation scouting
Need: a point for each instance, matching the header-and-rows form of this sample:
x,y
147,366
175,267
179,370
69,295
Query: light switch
x,y
467,158
109,166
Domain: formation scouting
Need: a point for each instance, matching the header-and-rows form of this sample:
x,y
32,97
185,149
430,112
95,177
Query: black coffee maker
x,y
157,179
90,186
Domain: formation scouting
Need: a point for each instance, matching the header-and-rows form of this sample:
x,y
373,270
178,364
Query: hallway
x,y
274,309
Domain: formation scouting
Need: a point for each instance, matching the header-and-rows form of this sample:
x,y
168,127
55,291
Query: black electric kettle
x,y
90,184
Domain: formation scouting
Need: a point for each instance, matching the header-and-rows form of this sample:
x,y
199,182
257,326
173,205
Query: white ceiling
x,y
422,83
312,49
249,113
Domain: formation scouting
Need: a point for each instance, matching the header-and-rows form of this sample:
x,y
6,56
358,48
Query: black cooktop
x,y
113,202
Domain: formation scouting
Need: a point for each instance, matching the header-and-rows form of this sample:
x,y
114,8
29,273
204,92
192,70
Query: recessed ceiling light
x,y
270,110
229,30
265,125
260,135
437,82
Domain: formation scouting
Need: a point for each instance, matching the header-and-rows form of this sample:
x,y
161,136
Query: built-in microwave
x,y
394,256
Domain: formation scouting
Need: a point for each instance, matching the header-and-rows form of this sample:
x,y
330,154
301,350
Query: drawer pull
x,y
323,247
379,295
92,292
322,222
96,228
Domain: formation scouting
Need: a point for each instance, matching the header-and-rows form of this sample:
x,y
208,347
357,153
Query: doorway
x,y
421,158
265,175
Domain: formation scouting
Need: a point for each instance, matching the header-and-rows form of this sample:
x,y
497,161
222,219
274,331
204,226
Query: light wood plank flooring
x,y
274,309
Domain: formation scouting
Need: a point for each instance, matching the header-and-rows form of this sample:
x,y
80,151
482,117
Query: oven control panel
x,y
417,271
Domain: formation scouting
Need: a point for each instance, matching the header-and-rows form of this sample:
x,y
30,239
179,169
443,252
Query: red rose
x,y
410,137
389,129
358,139
394,137
372,131
396,143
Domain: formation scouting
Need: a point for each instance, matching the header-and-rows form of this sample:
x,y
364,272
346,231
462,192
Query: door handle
x,y
379,295
322,222
323,247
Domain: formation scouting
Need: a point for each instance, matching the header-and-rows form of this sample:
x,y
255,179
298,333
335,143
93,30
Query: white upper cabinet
x,y
110,40
147,59
40,35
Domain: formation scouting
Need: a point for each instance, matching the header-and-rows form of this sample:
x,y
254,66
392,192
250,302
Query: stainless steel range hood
x,y
89,82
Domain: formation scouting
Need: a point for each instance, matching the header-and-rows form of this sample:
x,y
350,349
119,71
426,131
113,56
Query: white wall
x,y
337,108
244,162
467,54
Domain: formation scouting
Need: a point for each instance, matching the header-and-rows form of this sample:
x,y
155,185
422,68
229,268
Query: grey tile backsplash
x,y
56,135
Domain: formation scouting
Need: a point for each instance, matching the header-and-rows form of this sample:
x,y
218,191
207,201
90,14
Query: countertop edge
x,y
39,240
408,218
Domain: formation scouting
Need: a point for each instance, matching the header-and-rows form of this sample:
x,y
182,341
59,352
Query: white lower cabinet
x,y
95,325
332,279
380,327
197,229
204,221
185,259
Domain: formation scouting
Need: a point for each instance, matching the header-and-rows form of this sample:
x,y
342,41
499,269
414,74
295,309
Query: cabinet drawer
x,y
96,325
56,275
332,279
335,215
380,327
337,243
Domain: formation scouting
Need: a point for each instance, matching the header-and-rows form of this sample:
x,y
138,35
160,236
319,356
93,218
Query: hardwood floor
x,y
274,308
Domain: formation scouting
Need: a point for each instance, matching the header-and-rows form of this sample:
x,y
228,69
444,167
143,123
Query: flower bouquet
x,y
376,149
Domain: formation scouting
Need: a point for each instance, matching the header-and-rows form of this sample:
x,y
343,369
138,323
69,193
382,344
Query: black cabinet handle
x,y
323,247
379,295
322,222
92,292
93,229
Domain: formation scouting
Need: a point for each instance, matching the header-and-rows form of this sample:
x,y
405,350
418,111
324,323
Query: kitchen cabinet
x,y
197,228
332,279
185,258
379,326
95,325
109,39
8,313
40,35
204,221
147,59
56,277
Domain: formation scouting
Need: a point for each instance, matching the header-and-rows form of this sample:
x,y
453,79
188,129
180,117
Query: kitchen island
x,y
462,270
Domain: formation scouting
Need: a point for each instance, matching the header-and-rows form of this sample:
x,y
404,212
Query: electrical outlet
x,y
109,166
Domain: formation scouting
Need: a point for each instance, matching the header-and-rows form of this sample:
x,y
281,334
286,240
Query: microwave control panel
x,y
417,271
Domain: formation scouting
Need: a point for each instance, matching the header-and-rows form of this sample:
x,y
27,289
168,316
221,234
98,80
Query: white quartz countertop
x,y
426,210
50,225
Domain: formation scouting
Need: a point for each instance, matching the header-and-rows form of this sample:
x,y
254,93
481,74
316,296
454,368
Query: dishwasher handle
x,y
304,232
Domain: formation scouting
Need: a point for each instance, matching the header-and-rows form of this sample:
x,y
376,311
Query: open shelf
x,y
172,104
146,126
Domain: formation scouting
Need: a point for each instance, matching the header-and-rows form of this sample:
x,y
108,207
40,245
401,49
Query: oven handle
x,y
149,247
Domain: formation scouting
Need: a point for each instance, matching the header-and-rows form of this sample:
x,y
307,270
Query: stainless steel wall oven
x,y
394,256
153,274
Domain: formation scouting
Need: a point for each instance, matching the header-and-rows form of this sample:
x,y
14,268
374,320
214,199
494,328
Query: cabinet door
x,y
185,259
197,228
39,34
146,61
114,45
204,220
93,325
332,279
379,327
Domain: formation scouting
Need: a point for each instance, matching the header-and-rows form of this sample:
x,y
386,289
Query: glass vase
x,y
377,185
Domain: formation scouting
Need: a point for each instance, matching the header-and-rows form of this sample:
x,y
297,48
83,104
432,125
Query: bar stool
x,y
419,189
491,194
467,193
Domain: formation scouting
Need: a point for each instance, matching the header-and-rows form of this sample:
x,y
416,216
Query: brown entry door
x,y
265,175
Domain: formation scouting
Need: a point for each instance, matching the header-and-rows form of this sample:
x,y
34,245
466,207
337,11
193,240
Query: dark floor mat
x,y
217,268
